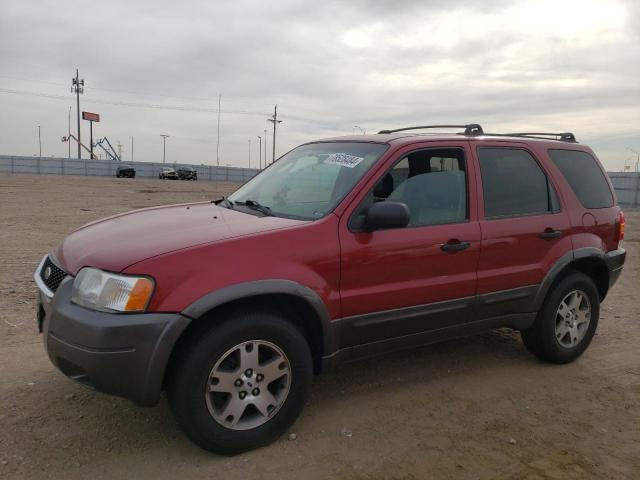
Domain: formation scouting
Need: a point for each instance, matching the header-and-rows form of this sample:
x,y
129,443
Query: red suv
x,y
342,249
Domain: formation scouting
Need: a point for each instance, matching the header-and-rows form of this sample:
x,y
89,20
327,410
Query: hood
x,y
116,242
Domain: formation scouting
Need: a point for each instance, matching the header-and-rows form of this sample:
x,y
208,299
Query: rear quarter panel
x,y
593,227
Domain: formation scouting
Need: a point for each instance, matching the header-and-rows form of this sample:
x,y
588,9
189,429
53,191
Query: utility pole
x,y
164,147
275,122
218,142
119,150
249,153
39,143
69,133
132,148
260,153
77,86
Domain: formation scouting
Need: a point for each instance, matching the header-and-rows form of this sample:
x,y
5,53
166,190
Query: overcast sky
x,y
157,67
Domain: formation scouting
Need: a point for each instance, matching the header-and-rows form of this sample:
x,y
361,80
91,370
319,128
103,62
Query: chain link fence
x,y
627,187
107,168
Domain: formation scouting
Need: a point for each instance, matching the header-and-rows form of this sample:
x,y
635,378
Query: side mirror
x,y
383,215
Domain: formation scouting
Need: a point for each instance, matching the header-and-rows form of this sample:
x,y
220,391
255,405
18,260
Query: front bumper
x,y
119,354
615,261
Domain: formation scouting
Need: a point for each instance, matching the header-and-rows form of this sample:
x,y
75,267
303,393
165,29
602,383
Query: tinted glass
x,y
311,180
513,183
585,177
432,183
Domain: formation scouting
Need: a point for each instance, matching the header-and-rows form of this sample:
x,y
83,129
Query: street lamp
x,y
265,148
164,147
260,153
637,159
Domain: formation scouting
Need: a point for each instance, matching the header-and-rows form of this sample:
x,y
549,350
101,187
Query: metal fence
x,y
106,168
627,187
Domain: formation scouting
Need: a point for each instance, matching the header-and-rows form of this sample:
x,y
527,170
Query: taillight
x,y
620,227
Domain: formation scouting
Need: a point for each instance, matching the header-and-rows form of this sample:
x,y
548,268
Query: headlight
x,y
108,292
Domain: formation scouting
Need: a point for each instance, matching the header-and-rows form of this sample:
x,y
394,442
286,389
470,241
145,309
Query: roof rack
x,y
469,129
474,129
563,137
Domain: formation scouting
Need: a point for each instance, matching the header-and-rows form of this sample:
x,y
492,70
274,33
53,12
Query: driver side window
x,y
432,183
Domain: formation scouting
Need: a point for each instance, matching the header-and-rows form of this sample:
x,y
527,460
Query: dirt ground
x,y
477,408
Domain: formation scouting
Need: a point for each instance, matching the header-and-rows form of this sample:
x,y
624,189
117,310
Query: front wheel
x,y
241,384
567,321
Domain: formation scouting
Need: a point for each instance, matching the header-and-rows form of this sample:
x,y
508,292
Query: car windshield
x,y
309,181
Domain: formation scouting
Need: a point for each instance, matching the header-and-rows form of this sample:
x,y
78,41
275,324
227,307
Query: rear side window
x,y
585,177
513,184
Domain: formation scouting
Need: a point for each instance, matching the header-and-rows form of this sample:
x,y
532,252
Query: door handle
x,y
550,234
454,246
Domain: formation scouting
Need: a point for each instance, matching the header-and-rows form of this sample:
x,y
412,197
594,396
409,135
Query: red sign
x,y
92,117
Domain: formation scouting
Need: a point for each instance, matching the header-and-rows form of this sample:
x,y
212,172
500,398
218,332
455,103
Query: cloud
x,y
554,65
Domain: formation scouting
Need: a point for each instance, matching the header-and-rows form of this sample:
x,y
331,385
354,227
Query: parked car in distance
x,y
187,173
167,173
125,171
342,249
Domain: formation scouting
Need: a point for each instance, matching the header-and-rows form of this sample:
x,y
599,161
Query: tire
x,y
203,356
556,336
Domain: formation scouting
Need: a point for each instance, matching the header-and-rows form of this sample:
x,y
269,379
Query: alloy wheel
x,y
248,384
572,318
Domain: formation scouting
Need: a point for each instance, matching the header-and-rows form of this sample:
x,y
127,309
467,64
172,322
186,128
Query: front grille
x,y
52,275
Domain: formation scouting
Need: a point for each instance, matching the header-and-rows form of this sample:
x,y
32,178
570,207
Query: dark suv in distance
x,y
342,249
125,171
187,173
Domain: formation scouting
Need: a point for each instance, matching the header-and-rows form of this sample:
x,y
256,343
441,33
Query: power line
x,y
130,92
134,104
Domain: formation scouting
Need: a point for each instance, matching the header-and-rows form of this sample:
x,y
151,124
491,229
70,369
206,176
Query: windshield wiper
x,y
253,205
224,200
